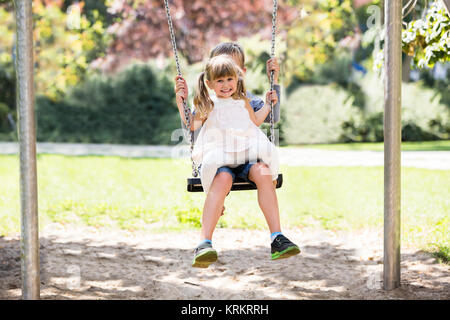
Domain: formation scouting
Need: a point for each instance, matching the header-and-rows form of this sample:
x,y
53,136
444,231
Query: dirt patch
x,y
90,263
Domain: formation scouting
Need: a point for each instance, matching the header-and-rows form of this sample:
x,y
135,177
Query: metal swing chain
x,y
272,55
186,109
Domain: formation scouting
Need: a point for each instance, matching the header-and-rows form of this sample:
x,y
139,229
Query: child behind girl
x,y
229,138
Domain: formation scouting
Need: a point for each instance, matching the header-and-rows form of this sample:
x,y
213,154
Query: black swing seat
x,y
195,184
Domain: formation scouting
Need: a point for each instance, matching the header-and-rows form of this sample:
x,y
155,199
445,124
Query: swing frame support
x,y
29,242
392,143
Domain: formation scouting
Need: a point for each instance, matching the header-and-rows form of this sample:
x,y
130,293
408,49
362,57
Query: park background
x,y
104,75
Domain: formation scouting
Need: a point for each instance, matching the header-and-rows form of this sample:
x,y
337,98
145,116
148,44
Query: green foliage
x,y
64,43
7,73
428,39
4,110
136,106
94,10
338,71
326,114
361,127
7,84
64,48
313,39
315,114
423,116
257,52
441,253
7,101
190,217
440,86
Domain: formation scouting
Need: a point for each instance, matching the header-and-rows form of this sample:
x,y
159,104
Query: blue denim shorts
x,y
240,171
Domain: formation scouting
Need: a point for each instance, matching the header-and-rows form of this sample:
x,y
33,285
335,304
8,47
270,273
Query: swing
x,y
195,184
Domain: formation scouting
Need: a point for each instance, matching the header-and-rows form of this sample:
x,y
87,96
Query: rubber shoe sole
x,y
289,252
205,258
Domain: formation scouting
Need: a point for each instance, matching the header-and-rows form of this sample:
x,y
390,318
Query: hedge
x,y
137,106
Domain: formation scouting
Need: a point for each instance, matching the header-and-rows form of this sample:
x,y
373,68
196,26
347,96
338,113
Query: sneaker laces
x,y
282,240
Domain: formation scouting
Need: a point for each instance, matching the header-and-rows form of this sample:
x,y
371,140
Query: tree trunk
x,y
446,4
406,68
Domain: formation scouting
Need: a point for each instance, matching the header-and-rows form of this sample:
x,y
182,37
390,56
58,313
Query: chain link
x,y
186,109
272,55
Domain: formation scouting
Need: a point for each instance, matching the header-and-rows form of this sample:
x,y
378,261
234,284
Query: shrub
x,y
322,114
424,117
4,110
362,128
136,106
315,114
421,108
6,128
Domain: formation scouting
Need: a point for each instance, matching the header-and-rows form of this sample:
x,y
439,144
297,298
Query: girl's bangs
x,y
223,70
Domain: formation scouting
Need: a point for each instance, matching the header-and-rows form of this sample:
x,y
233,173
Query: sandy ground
x,y
90,263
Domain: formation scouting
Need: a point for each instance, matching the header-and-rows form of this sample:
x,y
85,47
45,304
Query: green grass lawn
x,y
151,194
441,145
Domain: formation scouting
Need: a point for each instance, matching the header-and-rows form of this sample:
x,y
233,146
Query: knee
x,y
260,173
224,179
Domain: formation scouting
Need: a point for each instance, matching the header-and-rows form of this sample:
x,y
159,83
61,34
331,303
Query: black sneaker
x,y
282,248
204,255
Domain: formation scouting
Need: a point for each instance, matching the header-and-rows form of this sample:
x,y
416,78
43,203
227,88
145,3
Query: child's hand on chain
x,y
181,89
271,96
272,65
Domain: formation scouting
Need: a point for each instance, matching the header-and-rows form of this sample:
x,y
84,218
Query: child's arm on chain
x,y
181,91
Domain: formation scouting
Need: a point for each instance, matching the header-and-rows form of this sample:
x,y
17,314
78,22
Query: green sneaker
x,y
282,248
204,255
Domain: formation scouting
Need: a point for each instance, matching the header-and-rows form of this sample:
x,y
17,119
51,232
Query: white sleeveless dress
x,y
230,138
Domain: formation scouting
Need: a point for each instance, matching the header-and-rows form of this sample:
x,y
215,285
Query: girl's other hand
x,y
272,65
271,96
181,89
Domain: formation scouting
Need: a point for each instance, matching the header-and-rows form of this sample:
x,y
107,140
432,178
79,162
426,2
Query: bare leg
x,y
267,197
213,207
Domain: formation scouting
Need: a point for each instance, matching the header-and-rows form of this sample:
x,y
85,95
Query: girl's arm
x,y
262,113
181,91
194,119
251,112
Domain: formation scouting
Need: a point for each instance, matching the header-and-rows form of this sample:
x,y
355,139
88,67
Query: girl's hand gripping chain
x,y
181,89
271,96
272,65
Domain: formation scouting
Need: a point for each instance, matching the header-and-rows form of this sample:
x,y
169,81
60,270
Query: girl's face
x,y
224,87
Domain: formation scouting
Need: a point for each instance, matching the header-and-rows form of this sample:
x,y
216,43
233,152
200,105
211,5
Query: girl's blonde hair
x,y
217,67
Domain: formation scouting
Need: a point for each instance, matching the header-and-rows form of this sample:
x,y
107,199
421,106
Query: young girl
x,y
229,144
229,135
261,109
236,52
